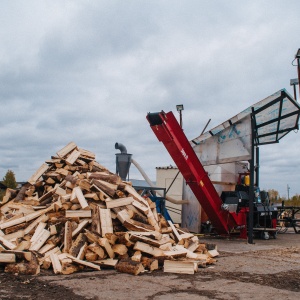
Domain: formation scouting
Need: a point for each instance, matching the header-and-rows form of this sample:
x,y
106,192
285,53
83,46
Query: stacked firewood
x,y
75,214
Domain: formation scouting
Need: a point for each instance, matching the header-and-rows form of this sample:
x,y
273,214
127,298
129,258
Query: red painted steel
x,y
168,131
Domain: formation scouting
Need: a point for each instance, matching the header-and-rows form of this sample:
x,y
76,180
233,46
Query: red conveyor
x,y
169,132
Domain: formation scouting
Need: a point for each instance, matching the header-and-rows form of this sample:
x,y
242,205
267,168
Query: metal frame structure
x,y
169,132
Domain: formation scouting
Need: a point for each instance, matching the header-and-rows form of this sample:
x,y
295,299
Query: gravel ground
x,y
268,268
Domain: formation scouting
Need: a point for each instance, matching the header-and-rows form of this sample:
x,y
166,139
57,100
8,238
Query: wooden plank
x,y
137,226
141,207
149,241
96,225
80,197
107,188
46,248
72,157
60,191
67,236
123,215
40,241
119,202
82,251
180,267
40,171
37,231
212,253
78,213
26,218
177,235
87,153
24,245
105,244
80,227
7,244
67,149
150,234
55,263
77,244
84,263
14,235
148,249
106,222
7,258
109,262
42,218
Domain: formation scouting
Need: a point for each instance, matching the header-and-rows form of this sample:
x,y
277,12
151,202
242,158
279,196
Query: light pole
x,y
294,82
297,56
288,191
180,108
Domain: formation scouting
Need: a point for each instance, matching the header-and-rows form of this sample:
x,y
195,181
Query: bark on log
x,y
129,266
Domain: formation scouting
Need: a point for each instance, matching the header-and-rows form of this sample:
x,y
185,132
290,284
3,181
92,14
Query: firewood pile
x,y
74,214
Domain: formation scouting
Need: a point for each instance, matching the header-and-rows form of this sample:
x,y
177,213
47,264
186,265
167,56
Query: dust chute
x,y
123,161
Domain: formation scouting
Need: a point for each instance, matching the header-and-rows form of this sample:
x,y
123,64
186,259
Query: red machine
x,y
169,132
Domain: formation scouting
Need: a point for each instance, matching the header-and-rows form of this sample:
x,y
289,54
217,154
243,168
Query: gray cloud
x,y
89,72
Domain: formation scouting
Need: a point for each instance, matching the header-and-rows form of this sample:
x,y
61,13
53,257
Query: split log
x,y
40,240
105,244
7,244
177,235
150,264
56,265
72,157
67,149
98,250
77,244
24,268
106,222
129,266
78,192
137,256
78,214
68,237
69,268
110,178
107,263
180,267
90,255
42,169
84,263
119,249
119,202
106,187
7,258
137,226
148,249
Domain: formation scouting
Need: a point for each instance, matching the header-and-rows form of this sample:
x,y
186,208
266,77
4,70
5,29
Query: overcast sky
x,y
90,71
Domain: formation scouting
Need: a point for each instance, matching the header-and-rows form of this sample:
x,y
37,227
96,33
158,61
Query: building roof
x,y
2,186
167,167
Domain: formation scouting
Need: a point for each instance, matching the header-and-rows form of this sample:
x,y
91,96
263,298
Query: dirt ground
x,y
265,269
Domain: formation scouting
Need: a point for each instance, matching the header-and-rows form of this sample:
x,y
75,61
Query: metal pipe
x,y
298,67
172,200
251,191
121,147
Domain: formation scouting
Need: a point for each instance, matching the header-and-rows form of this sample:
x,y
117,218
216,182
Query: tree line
x,y
276,198
9,180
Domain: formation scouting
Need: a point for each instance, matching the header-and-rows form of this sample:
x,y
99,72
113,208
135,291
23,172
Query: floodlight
x,y
179,107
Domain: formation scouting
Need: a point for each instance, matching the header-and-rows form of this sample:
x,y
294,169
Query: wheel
x,y
265,235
